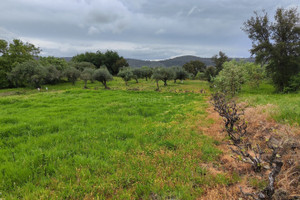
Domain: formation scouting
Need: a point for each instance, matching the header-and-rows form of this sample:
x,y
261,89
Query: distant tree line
x,y
20,66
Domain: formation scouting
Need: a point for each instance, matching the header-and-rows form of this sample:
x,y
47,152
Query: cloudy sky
x,y
142,29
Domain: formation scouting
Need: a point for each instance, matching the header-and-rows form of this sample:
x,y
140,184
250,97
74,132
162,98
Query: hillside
x,y
177,61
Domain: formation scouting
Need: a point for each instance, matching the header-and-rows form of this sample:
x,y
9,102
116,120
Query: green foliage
x,y
180,74
219,61
72,74
82,65
96,58
114,62
29,73
147,72
164,74
137,73
194,67
277,44
59,63
86,75
230,78
102,75
126,74
210,73
52,74
254,73
110,59
11,54
294,84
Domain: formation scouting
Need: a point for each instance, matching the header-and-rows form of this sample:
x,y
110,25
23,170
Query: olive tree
x,y
137,73
180,74
52,74
126,74
147,72
29,73
157,76
102,75
230,78
72,74
86,75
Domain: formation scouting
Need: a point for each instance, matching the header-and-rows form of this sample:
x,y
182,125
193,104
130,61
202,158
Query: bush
x,y
294,84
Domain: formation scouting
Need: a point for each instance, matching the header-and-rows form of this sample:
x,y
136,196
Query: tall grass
x,y
287,106
71,143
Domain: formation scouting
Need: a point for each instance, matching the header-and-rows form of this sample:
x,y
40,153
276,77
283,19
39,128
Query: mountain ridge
x,y
169,62
176,61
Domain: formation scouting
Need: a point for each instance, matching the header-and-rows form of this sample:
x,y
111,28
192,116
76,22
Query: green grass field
x,y
125,143
287,106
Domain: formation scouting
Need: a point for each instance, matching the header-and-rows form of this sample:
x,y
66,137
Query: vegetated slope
x,y
107,144
177,61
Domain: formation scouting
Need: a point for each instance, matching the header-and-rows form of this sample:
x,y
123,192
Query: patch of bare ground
x,y
261,128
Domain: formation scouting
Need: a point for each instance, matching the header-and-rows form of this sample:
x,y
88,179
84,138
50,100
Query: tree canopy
x,y
194,67
110,59
276,44
219,60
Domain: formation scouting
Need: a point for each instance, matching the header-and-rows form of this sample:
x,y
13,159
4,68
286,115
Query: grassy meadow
x,y
285,108
126,143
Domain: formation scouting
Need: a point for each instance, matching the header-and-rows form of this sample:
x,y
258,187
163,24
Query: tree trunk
x,y
174,80
157,85
85,87
137,81
165,83
146,78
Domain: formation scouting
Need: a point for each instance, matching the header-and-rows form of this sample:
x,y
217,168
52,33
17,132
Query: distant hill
x,y
177,61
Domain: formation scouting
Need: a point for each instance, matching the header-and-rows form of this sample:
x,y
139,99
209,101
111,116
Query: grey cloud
x,y
149,29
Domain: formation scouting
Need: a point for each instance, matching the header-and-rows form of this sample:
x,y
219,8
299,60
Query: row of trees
x,y
158,74
110,59
20,65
